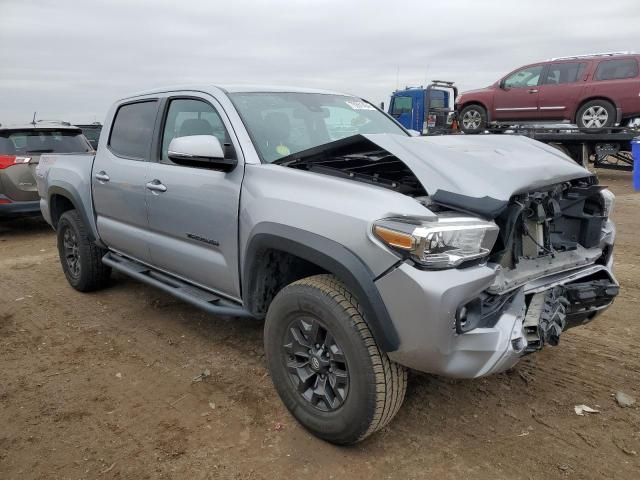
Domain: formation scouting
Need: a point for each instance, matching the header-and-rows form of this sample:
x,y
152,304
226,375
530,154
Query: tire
x,y
596,116
372,387
81,259
473,119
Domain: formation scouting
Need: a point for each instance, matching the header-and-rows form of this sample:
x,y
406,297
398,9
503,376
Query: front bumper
x,y
423,306
15,209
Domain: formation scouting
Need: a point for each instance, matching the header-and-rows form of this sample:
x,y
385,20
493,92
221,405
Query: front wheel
x,y
325,364
473,119
81,259
596,115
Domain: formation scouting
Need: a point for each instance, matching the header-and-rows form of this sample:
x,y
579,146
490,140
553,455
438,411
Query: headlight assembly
x,y
444,243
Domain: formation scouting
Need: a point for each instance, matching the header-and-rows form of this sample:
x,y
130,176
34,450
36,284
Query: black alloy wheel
x,y
316,364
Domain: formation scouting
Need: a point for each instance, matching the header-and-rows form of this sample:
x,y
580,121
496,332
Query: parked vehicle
x,y
367,250
92,132
20,150
593,91
429,111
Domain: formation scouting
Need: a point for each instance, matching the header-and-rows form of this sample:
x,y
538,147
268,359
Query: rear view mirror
x,y
204,151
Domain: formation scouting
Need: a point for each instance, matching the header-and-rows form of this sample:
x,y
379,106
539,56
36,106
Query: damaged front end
x,y
515,246
555,248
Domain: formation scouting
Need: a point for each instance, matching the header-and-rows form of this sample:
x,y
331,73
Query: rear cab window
x,y
617,69
37,141
132,129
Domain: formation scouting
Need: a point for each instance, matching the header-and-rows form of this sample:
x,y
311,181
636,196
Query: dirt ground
x,y
101,386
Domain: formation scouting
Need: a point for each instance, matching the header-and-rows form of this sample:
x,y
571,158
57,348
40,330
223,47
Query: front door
x,y
193,212
517,96
402,110
119,176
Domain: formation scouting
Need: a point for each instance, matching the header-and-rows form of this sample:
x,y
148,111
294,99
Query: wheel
x,y
596,115
325,364
473,119
81,259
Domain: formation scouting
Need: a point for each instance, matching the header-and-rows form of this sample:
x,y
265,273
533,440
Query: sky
x,y
70,59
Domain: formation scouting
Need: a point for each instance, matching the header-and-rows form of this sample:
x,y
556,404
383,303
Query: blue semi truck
x,y
430,110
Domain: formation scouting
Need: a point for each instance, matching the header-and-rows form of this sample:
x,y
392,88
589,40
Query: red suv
x,y
593,91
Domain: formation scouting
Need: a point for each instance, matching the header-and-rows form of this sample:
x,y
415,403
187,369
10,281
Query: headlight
x,y
609,200
444,243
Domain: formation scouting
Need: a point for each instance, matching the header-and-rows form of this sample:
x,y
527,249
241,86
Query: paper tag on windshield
x,y
356,105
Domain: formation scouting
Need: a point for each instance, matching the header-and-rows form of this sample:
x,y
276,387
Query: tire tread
x,y
390,377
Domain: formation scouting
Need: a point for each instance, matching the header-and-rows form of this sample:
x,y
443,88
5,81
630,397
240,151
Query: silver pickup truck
x,y
367,250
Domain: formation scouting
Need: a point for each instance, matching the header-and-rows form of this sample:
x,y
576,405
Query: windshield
x,y
18,142
284,123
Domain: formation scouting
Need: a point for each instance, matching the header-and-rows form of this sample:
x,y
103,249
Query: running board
x,y
197,297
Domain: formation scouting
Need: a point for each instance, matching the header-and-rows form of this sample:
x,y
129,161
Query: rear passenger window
x,y
617,69
188,117
401,105
560,73
132,130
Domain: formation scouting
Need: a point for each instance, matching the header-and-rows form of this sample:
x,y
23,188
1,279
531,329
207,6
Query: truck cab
x,y
429,110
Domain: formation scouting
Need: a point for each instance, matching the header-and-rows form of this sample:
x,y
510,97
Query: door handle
x,y
156,186
102,176
533,90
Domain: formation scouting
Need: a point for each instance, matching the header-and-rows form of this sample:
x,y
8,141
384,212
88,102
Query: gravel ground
x,y
101,386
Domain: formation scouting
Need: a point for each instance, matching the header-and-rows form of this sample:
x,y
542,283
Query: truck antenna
x,y
33,121
397,77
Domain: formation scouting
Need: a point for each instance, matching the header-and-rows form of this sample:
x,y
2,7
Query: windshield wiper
x,y
43,150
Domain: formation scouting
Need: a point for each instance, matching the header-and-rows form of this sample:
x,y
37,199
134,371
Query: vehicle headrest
x,y
195,126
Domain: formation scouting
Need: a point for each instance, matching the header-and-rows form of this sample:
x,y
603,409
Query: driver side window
x,y
523,78
186,117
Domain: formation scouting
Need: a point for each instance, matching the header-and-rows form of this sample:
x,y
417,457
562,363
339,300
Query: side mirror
x,y
382,106
414,133
502,84
204,151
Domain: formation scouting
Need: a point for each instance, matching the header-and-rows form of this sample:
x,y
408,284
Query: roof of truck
x,y
237,88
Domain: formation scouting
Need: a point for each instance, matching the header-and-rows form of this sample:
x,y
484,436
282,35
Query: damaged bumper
x,y
449,325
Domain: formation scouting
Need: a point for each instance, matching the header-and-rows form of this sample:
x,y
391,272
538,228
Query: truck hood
x,y
475,173
481,171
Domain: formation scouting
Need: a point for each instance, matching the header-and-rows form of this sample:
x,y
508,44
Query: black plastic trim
x,y
74,198
488,207
330,256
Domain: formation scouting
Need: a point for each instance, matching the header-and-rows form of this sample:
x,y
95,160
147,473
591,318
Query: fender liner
x,y
71,194
331,256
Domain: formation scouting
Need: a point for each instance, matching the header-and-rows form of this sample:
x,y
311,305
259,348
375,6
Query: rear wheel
x,y
325,364
81,259
473,119
596,115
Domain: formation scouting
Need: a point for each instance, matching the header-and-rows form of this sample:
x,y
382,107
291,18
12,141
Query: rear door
x,y
120,173
618,79
193,211
562,85
517,97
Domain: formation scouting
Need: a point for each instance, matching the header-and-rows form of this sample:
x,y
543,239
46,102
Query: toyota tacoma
x,y
366,250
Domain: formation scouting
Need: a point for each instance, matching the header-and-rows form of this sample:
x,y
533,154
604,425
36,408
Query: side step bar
x,y
197,297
